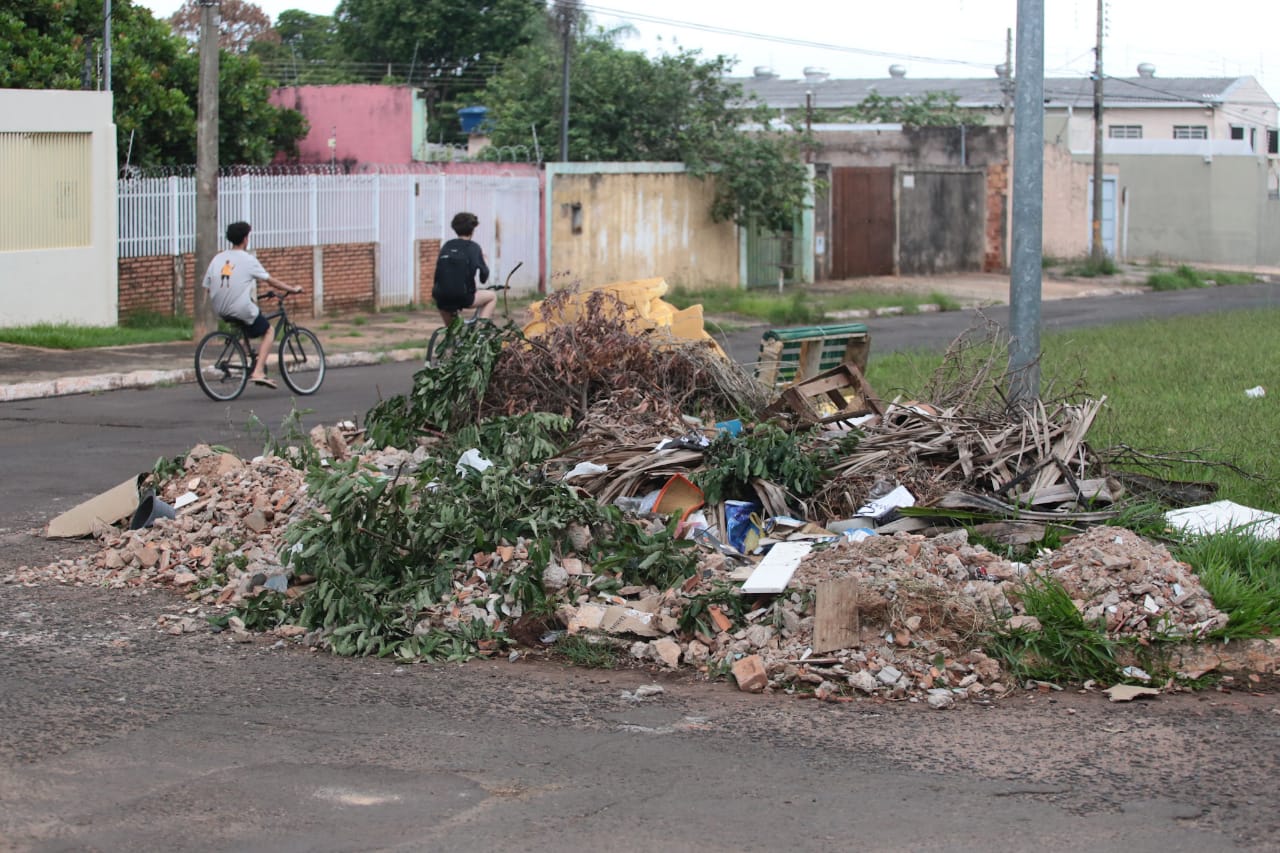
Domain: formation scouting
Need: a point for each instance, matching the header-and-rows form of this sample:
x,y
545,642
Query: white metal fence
x,y
157,217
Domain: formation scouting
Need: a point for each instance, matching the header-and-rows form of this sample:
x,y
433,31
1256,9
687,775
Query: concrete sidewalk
x,y
33,372
401,335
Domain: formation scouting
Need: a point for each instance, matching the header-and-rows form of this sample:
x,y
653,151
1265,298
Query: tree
x,y
932,109
240,24
678,107
446,47
53,44
307,51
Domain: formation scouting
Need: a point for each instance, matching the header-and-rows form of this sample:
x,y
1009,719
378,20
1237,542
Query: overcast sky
x,y
939,38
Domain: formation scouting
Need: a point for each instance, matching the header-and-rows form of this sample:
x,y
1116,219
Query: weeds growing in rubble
x,y
590,652
290,442
1185,277
1242,575
1065,648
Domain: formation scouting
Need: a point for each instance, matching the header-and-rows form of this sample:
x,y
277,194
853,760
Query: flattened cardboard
x,y
107,508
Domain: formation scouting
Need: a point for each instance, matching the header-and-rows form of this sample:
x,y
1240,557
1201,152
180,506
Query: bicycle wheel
x,y
222,367
301,361
439,346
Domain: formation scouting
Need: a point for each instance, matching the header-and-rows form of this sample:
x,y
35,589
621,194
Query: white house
x,y
57,208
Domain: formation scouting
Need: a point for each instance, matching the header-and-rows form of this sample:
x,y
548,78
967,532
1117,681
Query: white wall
x,y
67,284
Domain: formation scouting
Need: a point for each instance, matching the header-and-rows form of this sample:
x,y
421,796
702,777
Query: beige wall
x,y
1184,209
636,221
62,273
1066,204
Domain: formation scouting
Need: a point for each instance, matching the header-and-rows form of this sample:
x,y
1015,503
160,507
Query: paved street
x,y
119,737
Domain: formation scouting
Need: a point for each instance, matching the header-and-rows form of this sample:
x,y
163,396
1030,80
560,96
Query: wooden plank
x,y
775,570
835,622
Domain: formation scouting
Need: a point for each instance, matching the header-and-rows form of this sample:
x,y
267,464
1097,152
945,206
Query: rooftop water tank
x,y
472,118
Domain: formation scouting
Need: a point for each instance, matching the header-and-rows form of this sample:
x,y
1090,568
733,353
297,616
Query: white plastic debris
x,y
881,507
473,459
1255,392
584,469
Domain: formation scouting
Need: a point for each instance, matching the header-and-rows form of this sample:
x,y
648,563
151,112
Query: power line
x,y
777,39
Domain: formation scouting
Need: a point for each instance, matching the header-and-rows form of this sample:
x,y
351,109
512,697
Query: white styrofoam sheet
x,y
775,570
1223,516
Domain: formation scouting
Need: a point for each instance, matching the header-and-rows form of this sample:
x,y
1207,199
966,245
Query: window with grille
x,y
1237,132
1125,131
1273,141
1191,131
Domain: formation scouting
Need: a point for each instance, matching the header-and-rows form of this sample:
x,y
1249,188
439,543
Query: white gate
x,y
157,217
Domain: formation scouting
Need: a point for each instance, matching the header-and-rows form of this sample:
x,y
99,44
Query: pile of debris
x,y
823,556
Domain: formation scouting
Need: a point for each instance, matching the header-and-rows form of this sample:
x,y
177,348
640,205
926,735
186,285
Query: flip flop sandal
x,y
270,383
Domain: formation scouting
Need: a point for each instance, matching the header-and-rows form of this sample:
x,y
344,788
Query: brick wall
x,y
994,254
428,251
293,266
349,270
146,284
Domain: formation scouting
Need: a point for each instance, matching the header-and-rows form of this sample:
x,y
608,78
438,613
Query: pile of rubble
x,y
867,593
909,611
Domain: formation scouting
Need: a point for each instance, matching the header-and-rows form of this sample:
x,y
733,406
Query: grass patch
x,y
1173,384
359,321
797,306
1065,648
1242,576
1186,277
1089,268
583,651
140,329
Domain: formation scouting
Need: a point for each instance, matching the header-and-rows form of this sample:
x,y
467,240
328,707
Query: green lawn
x,y
1172,385
797,305
139,329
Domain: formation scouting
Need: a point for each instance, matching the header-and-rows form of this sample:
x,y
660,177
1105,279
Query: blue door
x,y
1108,215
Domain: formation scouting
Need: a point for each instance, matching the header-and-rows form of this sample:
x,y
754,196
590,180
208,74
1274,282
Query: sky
x,y
938,38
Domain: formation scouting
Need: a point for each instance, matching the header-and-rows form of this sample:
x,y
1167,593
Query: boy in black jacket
x,y
454,288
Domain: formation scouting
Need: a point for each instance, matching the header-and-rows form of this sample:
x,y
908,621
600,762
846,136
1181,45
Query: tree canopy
x,y
449,49
56,44
931,109
307,51
626,106
240,24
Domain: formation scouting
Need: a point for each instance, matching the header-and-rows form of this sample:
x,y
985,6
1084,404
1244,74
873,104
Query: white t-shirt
x,y
232,282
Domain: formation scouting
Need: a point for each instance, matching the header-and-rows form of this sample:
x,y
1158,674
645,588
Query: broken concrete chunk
x,y
750,674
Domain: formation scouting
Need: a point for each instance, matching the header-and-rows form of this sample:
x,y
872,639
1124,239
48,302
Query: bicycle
x,y
441,344
225,359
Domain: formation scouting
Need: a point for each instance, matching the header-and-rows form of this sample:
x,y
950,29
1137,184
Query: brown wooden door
x,y
862,222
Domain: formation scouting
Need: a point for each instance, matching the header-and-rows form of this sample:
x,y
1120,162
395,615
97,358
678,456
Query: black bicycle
x,y
225,359
443,341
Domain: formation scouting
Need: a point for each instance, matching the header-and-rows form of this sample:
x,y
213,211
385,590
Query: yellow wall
x,y
638,225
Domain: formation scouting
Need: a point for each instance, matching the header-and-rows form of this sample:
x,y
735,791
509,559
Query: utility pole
x,y
106,45
567,15
206,165
1028,208
1098,253
1006,85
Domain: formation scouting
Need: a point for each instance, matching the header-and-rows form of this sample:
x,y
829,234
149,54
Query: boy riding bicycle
x,y
232,280
454,286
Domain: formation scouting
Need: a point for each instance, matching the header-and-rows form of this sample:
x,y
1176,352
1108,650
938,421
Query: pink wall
x,y
373,124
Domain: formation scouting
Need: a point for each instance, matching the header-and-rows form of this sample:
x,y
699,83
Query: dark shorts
x,y
453,302
256,329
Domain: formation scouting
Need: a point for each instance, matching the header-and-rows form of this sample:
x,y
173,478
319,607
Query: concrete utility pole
x,y
106,45
1028,207
1098,251
567,14
206,165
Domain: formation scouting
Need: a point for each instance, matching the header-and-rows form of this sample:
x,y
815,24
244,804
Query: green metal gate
x,y
774,258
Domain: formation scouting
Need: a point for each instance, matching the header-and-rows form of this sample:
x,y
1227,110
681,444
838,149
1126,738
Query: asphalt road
x,y
115,736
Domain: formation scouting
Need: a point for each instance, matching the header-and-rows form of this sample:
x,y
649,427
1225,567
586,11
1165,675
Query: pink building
x,y
358,124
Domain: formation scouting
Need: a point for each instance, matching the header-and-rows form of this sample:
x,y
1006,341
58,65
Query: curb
x,y
890,311
66,386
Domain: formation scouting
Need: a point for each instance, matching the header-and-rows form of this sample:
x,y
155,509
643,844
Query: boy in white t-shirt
x,y
232,281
